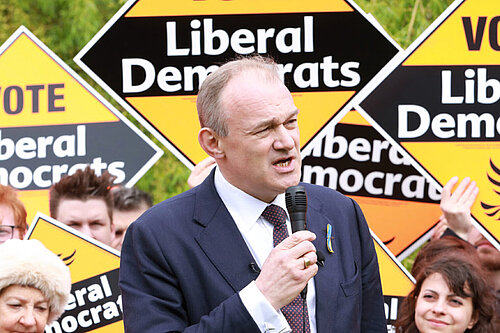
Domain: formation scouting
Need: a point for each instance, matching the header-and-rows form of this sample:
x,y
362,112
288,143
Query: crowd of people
x,y
222,257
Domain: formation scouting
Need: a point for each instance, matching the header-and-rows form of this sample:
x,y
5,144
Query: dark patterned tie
x,y
293,311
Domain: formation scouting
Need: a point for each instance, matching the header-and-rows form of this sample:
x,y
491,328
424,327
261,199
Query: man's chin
x,y
292,180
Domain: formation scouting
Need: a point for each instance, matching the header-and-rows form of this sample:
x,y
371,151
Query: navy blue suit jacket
x,y
184,261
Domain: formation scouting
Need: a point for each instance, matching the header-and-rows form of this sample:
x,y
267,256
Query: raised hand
x,y
456,205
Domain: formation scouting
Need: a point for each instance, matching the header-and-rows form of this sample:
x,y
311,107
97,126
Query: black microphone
x,y
296,205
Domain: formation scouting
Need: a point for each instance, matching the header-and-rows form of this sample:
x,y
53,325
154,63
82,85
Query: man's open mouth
x,y
283,163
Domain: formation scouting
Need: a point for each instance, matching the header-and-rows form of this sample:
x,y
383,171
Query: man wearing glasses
x,y
12,215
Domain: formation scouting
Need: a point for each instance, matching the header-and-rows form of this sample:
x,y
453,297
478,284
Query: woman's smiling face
x,y
438,309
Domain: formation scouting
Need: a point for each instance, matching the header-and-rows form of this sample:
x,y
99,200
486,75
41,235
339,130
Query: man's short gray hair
x,y
208,103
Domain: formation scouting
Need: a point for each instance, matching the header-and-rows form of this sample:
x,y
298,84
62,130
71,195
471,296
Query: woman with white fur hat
x,y
34,286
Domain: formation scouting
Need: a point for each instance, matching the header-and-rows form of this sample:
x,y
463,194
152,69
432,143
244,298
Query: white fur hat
x,y
29,263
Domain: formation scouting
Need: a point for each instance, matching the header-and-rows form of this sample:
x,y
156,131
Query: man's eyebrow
x,y
266,122
295,113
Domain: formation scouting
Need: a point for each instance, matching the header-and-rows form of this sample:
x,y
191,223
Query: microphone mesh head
x,y
296,199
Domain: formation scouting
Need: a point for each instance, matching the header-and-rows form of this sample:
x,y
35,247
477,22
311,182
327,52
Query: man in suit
x,y
204,261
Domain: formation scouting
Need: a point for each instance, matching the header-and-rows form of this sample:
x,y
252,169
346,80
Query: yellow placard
x,y
153,8
396,281
95,300
398,223
476,160
469,36
37,90
34,202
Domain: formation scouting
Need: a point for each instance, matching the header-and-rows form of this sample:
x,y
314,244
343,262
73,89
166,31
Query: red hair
x,y
8,196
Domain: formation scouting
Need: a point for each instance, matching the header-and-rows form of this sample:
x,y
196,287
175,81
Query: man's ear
x,y
209,141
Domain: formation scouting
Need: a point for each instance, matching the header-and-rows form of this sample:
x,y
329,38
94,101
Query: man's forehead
x,y
255,76
96,202
243,87
82,199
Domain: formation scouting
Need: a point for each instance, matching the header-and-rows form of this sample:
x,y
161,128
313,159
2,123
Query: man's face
x,y
122,219
89,217
261,153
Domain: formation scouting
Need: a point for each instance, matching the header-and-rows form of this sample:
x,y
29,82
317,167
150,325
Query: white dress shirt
x,y
258,235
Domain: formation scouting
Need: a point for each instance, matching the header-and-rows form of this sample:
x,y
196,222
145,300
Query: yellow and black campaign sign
x,y
153,55
95,303
396,282
439,102
400,205
53,123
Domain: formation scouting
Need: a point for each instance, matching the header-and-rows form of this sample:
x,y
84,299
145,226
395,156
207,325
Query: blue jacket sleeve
x,y
373,316
154,301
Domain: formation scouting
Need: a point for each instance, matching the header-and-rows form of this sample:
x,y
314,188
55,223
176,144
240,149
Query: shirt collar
x,y
244,208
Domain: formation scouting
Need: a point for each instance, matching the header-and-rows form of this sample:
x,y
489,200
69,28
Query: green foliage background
x,y
65,26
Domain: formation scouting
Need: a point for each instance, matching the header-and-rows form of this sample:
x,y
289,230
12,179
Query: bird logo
x,y
492,210
69,259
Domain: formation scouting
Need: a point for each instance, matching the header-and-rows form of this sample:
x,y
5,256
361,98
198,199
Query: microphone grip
x,y
298,221
296,204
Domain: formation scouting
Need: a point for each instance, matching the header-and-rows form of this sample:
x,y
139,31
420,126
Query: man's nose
x,y
85,228
284,139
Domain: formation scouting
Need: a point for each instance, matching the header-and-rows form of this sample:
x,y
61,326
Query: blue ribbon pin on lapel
x,y
329,238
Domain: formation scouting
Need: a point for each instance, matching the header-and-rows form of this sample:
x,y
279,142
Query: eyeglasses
x,y
6,232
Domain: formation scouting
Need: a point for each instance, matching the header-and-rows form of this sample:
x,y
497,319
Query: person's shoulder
x,y
323,192
328,200
175,203
171,209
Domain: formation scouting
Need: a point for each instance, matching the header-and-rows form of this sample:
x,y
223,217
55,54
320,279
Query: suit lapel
x,y
326,281
221,240
223,244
